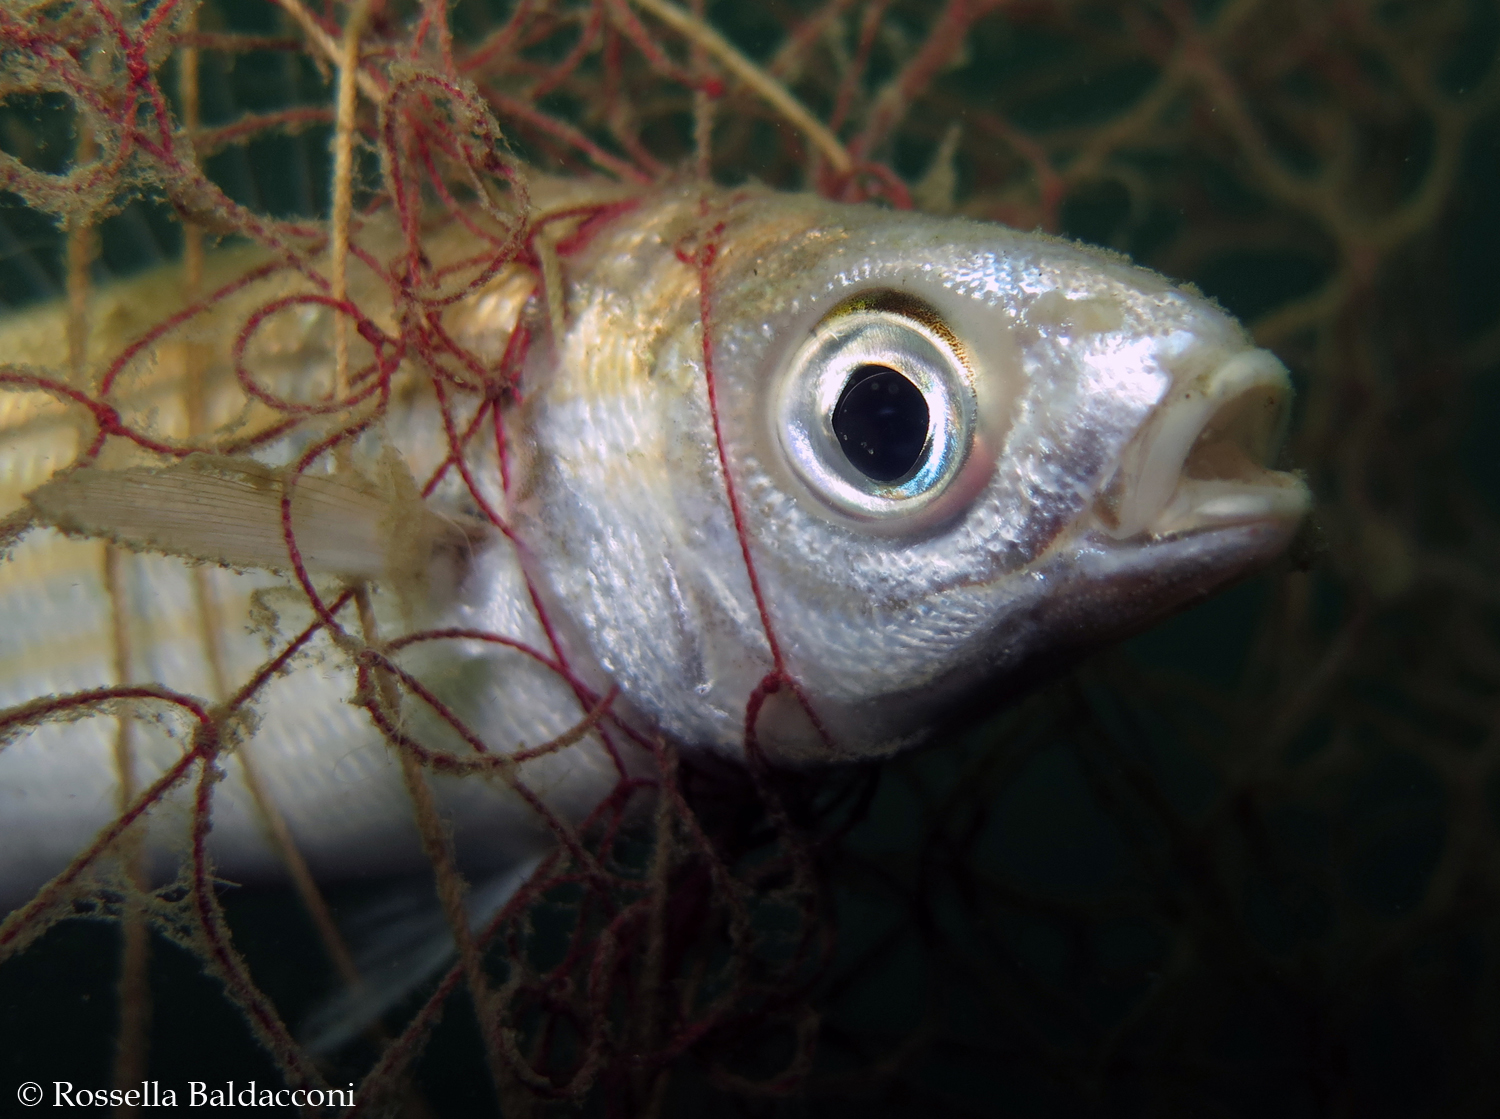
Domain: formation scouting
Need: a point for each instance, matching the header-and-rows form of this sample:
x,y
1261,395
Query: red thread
x,y
703,257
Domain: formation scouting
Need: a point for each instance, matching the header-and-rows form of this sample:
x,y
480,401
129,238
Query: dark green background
x,y
1085,905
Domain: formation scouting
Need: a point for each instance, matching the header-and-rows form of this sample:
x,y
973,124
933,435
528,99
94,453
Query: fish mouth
x,y
1203,460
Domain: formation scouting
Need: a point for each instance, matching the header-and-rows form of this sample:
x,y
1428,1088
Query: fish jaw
x,y
1193,505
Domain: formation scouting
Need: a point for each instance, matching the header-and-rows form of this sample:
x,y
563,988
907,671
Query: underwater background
x,y
1247,863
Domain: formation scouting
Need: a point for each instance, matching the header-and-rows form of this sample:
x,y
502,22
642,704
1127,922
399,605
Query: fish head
x,y
935,459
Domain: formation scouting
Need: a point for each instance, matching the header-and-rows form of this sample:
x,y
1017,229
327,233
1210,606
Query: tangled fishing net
x,y
1264,874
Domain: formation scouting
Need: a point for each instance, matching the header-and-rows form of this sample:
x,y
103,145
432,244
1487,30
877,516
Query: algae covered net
x,y
1249,862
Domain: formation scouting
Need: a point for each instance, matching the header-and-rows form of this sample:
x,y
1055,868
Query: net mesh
x,y
1262,872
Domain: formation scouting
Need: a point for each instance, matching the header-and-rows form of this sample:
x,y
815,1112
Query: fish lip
x,y
1201,462
1200,507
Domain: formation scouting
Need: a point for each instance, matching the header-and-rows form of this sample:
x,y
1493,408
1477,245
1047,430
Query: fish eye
x,y
875,410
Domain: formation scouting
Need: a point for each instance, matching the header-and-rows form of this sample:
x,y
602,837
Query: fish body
x,y
698,507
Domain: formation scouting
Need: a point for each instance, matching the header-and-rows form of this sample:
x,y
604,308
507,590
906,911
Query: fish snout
x,y
1204,459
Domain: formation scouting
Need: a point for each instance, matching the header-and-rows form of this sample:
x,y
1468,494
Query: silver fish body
x,y
690,527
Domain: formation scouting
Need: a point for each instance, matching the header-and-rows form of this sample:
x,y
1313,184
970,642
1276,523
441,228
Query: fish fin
x,y
217,509
400,942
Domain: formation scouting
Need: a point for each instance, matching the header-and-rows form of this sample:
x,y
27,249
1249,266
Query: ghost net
x,y
749,935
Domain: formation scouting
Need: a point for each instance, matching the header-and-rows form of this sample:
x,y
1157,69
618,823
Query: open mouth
x,y
1203,460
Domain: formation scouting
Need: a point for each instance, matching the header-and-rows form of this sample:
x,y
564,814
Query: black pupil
x,y
881,422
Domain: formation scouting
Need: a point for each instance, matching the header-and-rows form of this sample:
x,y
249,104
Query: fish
x,y
755,474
